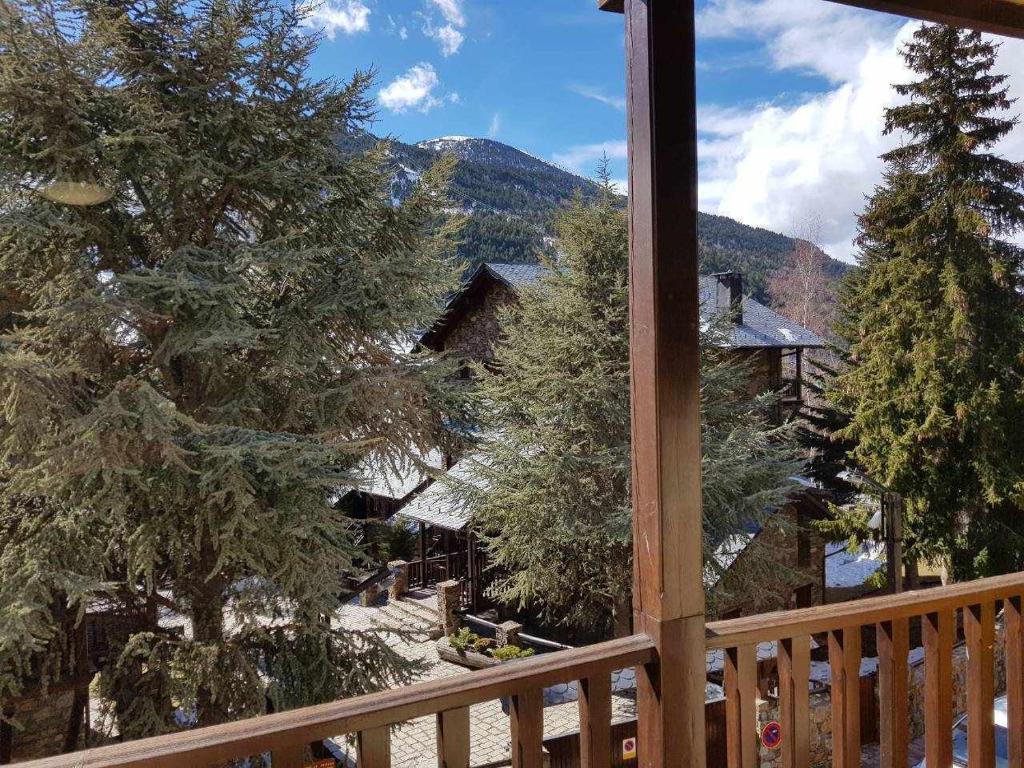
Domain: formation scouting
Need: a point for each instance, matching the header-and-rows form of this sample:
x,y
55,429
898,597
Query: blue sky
x,y
791,92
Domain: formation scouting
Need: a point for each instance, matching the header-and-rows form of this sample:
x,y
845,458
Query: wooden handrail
x,y
823,618
284,730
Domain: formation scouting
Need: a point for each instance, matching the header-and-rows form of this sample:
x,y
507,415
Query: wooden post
x,y
798,380
668,593
453,738
423,554
892,516
595,707
1014,681
893,641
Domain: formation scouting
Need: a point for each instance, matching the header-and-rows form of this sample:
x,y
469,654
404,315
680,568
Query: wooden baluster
x,y
595,704
741,706
979,628
893,640
453,738
938,630
844,660
527,725
794,676
1014,680
292,756
373,748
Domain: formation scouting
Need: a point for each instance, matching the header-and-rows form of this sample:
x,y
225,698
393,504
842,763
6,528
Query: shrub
x,y
509,652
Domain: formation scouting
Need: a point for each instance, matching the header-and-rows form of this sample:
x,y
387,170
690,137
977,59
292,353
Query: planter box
x,y
468,659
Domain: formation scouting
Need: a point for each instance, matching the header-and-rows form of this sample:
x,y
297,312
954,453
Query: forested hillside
x,y
511,198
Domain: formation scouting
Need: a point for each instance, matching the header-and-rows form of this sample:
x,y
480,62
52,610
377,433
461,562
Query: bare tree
x,y
803,290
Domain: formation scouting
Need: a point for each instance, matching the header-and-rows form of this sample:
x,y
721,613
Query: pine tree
x,y
188,367
933,317
550,490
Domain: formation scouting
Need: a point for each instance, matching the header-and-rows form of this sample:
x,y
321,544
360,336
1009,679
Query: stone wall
x,y
766,574
472,338
40,722
765,367
821,705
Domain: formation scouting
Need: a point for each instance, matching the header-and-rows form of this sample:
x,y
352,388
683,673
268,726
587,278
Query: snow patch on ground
x,y
851,569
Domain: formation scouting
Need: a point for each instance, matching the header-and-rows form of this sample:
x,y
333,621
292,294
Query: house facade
x,y
773,347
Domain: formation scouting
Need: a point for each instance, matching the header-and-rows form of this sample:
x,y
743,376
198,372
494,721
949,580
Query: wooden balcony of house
x,y
672,637
975,606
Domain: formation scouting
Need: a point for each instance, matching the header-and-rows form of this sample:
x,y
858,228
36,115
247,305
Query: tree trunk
x,y
6,739
207,603
913,577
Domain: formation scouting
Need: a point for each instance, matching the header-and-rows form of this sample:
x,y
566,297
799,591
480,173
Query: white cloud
x,y
495,127
584,158
823,38
403,33
776,165
590,92
452,10
346,16
413,90
448,37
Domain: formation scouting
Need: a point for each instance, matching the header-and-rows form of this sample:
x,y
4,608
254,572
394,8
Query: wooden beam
x,y
1000,17
595,707
766,627
1014,681
939,630
794,701
526,726
373,748
741,706
893,640
219,744
453,738
844,660
979,627
668,592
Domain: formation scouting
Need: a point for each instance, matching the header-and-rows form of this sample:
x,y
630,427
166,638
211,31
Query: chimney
x,y
729,294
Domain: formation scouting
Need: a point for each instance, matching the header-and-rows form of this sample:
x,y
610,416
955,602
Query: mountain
x,y
511,198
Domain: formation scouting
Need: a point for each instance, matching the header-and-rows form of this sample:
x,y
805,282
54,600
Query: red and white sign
x,y
629,749
771,735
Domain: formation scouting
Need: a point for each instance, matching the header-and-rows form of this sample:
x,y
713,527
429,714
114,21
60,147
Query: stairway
x,y
408,617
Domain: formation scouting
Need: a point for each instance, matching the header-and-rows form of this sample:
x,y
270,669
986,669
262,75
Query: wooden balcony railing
x,y
286,735
842,623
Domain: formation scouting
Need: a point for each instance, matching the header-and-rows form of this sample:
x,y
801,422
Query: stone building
x,y
772,345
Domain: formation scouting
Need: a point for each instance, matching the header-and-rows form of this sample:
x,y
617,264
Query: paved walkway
x,y
414,743
869,757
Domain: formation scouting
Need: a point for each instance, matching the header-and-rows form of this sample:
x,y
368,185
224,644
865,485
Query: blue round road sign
x,y
771,735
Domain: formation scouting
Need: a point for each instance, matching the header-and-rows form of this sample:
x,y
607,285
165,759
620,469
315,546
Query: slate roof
x,y
515,275
762,327
397,483
438,505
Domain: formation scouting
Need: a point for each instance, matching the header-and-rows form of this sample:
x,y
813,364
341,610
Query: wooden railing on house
x,y
977,602
286,735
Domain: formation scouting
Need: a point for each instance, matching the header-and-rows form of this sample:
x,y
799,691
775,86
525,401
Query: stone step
x,y
395,615
417,608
